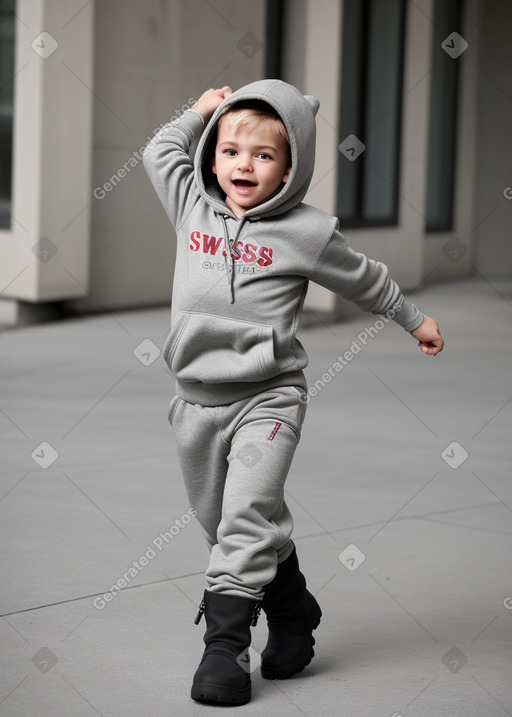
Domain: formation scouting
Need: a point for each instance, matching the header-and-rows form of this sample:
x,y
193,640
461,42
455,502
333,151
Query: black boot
x,y
292,615
223,674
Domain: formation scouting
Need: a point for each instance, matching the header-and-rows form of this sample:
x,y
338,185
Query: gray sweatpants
x,y
234,460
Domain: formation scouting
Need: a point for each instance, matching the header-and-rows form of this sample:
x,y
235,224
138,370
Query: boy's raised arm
x,y
167,160
169,166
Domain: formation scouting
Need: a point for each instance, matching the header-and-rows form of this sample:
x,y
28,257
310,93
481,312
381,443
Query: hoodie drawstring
x,y
229,246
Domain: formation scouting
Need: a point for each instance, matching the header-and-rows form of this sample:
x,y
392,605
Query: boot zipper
x,y
200,612
254,619
256,614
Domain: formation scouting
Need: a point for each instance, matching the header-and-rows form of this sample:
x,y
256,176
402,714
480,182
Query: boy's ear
x,y
287,175
214,168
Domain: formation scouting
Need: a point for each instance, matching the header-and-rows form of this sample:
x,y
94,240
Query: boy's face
x,y
250,167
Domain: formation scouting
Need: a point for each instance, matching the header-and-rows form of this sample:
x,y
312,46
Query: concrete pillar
x,y
44,253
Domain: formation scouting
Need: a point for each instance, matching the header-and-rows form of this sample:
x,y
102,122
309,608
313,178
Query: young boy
x,y
246,248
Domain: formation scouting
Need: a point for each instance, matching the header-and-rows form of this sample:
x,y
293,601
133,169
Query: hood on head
x,y
297,112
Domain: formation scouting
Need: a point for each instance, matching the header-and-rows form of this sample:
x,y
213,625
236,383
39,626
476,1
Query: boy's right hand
x,y
210,100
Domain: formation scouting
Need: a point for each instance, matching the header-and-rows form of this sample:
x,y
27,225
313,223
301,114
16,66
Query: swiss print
x,y
247,253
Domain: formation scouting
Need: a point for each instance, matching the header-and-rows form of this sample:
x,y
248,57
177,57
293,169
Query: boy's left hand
x,y
428,336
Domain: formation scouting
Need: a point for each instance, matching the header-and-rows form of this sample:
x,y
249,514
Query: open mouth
x,y
244,186
243,183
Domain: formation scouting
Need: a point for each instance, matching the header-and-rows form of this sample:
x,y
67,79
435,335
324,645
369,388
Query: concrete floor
x,y
400,490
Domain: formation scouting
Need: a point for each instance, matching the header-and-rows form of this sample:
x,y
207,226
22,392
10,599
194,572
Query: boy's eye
x,y
231,152
263,155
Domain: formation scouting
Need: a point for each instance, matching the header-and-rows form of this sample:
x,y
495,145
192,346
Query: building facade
x,y
413,147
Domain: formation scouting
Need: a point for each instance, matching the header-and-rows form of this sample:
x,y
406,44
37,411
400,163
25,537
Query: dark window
x,y
443,118
6,107
370,112
273,38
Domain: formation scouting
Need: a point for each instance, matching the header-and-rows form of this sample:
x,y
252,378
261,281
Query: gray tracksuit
x,y
239,287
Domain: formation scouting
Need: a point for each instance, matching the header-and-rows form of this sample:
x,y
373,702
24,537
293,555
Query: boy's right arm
x,y
169,166
167,160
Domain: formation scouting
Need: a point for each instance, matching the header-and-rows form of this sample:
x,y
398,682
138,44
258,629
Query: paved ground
x,y
404,464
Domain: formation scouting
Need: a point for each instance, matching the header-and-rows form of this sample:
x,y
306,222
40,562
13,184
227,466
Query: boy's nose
x,y
244,162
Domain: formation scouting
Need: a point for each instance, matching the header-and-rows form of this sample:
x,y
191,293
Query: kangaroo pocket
x,y
216,349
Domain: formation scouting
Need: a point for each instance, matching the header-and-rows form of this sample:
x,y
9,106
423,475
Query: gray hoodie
x,y
240,283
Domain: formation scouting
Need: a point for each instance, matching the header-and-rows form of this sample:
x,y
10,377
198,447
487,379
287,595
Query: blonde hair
x,y
249,116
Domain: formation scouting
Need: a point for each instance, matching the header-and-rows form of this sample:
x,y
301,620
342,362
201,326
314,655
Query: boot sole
x,y
220,694
286,671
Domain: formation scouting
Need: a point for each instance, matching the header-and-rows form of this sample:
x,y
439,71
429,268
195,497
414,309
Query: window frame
x,y
8,15
448,136
358,219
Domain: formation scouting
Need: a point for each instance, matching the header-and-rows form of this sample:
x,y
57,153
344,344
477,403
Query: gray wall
x,y
150,58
